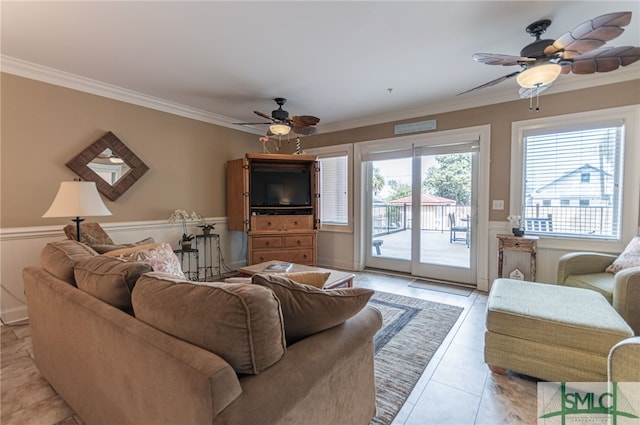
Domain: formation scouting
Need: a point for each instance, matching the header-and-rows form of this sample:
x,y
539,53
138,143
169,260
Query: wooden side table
x,y
521,244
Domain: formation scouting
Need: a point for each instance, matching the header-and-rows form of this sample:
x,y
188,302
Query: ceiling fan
x,y
579,51
281,124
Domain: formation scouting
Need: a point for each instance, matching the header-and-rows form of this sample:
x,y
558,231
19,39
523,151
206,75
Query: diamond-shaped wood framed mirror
x,y
110,164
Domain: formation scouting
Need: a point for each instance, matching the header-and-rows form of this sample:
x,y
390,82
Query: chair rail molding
x,y
21,247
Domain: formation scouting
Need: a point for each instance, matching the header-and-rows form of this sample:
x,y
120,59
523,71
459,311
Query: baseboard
x,y
15,314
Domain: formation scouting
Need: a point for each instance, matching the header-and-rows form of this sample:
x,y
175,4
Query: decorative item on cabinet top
x,y
110,164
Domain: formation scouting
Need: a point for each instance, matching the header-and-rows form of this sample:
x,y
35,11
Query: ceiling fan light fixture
x,y
538,75
279,129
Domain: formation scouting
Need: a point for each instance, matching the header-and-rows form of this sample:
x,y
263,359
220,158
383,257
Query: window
x,y
558,165
335,186
334,190
550,158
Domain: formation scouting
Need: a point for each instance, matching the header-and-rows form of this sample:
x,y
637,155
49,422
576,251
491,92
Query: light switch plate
x,y
498,204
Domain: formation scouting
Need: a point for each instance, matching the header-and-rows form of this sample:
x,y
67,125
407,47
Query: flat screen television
x,y
280,187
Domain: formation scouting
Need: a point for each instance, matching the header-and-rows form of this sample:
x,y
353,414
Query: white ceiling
x,y
219,61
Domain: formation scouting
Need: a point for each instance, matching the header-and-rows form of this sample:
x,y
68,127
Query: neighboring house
x,y
433,214
585,186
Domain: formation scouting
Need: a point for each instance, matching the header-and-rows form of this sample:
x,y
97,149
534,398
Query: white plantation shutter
x,y
334,193
572,183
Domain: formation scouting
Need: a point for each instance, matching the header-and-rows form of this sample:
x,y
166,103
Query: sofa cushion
x,y
317,279
630,257
599,282
110,279
158,255
59,258
240,323
307,310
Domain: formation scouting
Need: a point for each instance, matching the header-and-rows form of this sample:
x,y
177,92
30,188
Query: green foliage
x,y
450,178
378,181
400,190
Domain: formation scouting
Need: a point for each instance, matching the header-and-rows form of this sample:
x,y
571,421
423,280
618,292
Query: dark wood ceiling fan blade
x,y
605,59
307,131
304,120
264,115
589,35
492,82
499,59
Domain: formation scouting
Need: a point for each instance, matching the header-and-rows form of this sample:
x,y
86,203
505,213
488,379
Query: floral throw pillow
x,y
160,256
629,258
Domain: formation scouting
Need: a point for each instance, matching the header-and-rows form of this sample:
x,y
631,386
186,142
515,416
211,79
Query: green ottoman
x,y
555,333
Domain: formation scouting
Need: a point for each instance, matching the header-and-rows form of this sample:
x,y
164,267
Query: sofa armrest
x,y
575,263
306,379
626,296
112,368
624,361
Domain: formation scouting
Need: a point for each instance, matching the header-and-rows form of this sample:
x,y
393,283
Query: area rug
x,y
412,331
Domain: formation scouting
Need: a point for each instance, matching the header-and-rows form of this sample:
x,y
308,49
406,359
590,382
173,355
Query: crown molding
x,y
33,71
53,76
487,97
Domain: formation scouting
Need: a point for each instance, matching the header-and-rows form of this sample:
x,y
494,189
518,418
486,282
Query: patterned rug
x,y
412,331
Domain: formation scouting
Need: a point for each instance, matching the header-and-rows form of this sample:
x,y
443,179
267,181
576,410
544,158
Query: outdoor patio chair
x,y
454,229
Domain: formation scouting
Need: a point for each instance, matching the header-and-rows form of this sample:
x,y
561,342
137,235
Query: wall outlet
x,y
498,204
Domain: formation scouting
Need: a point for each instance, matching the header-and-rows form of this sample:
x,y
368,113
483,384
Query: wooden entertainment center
x,y
274,198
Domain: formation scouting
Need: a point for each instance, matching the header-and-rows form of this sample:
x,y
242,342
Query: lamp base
x,y
77,220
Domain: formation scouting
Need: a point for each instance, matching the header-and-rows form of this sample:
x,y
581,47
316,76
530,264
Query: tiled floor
x,y
456,387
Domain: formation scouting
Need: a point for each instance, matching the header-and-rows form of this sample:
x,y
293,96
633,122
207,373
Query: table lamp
x,y
75,199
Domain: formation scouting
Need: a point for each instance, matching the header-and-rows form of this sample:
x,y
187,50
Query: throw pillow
x,y
103,248
59,258
630,257
110,279
159,255
90,233
307,310
317,279
240,323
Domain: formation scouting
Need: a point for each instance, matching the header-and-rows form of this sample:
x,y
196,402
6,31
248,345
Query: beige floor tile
x,y
441,404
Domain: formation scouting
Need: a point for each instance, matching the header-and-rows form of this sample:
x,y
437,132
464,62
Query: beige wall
x,y
500,117
44,126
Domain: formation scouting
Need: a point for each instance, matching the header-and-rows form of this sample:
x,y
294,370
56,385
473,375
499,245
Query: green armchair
x,y
622,290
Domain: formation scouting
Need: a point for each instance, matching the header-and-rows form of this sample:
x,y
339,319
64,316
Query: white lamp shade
x,y
539,75
77,199
280,129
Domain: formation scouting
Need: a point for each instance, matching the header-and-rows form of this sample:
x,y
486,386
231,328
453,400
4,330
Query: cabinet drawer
x,y
266,242
298,241
281,222
299,256
518,244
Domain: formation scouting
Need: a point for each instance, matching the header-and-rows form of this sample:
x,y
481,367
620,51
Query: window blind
x,y
334,180
572,181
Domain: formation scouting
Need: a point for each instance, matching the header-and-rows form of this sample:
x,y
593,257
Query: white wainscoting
x,y
20,247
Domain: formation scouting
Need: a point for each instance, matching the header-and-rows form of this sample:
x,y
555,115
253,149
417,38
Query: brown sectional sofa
x,y
113,368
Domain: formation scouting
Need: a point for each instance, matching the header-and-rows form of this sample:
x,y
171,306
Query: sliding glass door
x,y
421,211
